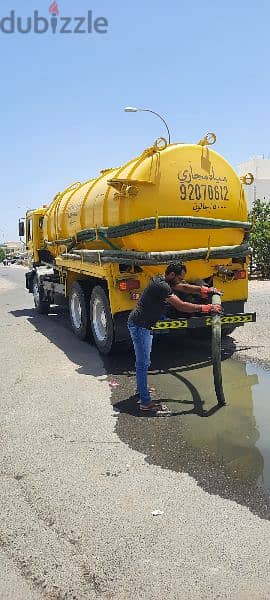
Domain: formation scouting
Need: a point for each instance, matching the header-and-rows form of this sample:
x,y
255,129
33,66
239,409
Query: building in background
x,y
13,247
14,253
260,169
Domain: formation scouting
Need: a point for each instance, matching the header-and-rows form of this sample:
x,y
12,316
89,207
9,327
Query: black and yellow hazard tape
x,y
194,322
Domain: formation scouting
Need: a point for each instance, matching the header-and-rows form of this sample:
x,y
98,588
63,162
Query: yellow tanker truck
x,y
98,243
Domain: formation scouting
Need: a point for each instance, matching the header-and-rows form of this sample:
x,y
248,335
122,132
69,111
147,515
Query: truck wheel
x,y
227,330
101,320
201,333
79,310
42,306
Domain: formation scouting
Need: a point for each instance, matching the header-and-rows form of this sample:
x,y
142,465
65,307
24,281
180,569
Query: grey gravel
x,y
253,340
77,502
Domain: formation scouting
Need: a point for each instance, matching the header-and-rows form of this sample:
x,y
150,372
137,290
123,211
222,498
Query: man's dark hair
x,y
175,267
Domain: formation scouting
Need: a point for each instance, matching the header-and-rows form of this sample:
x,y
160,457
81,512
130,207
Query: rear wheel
x,y
230,308
227,330
79,310
101,320
42,306
201,333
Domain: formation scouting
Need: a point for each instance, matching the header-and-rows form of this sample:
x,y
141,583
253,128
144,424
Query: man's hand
x,y
209,291
215,309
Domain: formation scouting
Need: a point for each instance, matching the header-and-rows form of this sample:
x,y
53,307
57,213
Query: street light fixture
x,y
135,109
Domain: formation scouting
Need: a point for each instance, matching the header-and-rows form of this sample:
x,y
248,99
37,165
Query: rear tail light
x,y
240,274
125,285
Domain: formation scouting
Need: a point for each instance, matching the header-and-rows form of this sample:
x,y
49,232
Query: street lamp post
x,y
135,109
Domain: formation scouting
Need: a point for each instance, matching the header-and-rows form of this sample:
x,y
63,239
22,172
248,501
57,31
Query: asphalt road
x,y
80,478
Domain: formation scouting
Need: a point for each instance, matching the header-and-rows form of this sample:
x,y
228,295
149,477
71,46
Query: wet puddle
x,y
227,450
238,434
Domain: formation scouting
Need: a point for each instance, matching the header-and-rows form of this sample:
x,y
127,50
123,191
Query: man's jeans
x,y
142,342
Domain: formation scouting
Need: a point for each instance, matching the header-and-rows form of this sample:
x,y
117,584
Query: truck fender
x,y
38,272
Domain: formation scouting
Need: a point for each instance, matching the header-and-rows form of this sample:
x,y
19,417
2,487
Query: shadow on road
x,y
163,440
56,328
174,355
171,354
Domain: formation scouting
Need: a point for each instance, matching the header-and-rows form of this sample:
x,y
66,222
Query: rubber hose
x,y
148,224
216,353
153,258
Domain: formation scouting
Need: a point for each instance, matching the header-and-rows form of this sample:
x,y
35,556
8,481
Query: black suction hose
x,y
216,353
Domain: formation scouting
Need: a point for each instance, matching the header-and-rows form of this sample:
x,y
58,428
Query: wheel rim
x,y
36,292
76,310
99,320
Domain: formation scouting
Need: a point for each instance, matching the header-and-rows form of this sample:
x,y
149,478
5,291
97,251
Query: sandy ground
x,y
253,341
5,284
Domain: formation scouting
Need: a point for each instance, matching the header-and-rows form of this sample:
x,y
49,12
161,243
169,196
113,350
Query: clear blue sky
x,y
203,64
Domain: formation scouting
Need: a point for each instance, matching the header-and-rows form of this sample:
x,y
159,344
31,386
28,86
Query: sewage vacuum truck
x,y
98,243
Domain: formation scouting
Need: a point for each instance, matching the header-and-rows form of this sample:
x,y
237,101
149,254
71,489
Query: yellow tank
x,y
189,180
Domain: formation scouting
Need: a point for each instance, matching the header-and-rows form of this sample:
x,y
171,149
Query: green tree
x,y
260,236
2,254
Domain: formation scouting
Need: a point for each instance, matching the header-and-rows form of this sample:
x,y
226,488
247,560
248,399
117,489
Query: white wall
x,y
260,169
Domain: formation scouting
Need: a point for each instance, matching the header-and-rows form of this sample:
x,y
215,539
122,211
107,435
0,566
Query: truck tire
x,y
42,306
101,320
236,306
227,330
79,310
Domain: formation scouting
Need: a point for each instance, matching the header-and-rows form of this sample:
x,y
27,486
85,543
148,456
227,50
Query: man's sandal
x,y
151,391
155,408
